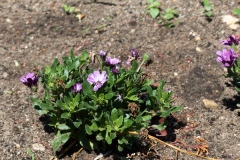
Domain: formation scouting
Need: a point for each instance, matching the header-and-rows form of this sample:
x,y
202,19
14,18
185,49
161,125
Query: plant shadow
x,y
232,103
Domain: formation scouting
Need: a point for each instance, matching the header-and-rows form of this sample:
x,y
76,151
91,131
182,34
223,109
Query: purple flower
x,y
112,61
231,40
77,87
30,79
115,70
135,54
102,53
226,57
119,97
97,79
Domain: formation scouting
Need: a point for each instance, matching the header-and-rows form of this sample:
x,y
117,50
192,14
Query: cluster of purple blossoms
x,y
231,40
135,56
76,88
102,53
228,57
97,79
30,79
113,64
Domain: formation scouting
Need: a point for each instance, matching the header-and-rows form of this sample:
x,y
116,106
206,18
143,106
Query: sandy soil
x,y
33,32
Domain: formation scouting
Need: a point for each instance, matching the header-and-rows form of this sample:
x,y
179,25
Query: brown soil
x,y
33,32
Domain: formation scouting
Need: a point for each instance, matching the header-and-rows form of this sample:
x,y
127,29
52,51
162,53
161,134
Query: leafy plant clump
x,y
165,17
99,107
208,8
229,58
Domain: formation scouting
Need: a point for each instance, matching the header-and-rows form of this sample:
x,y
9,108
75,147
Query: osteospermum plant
x,y
99,107
229,58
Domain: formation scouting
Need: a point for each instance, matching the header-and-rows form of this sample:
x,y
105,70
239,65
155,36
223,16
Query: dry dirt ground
x,y
33,32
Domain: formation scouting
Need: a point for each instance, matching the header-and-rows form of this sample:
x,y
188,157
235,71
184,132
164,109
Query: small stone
x,y
175,74
5,74
154,74
197,38
198,49
16,63
17,145
8,20
132,30
210,104
38,147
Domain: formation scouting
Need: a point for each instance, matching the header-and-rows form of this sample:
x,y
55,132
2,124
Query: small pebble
x,y
197,38
5,74
8,20
17,145
38,147
198,49
210,104
132,30
175,74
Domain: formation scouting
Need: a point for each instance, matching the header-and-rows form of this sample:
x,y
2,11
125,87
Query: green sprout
x,y
69,9
153,8
165,17
208,8
236,11
30,153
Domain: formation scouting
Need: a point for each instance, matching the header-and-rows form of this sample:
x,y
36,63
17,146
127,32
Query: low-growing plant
x,y
229,59
31,153
165,17
236,11
208,8
99,106
69,9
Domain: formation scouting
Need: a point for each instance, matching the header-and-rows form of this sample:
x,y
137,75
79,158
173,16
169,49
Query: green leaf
x,y
168,16
127,123
118,122
150,1
209,14
160,127
206,3
154,4
66,115
108,138
62,105
84,55
43,106
114,114
134,66
236,11
63,127
30,153
154,12
133,98
66,7
176,108
132,92
94,127
59,140
138,119
208,8
166,113
99,136
76,63
88,129
108,96
69,84
147,118
77,124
